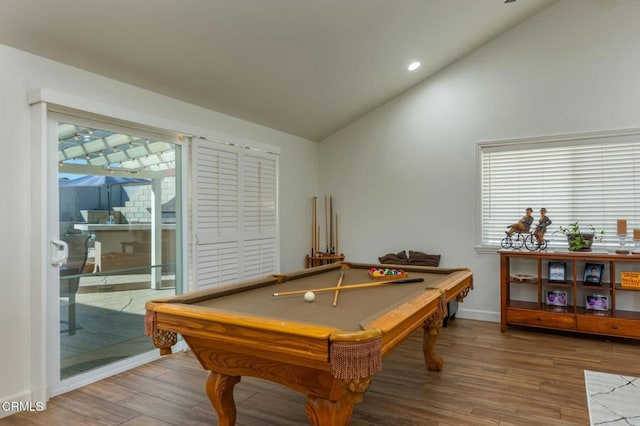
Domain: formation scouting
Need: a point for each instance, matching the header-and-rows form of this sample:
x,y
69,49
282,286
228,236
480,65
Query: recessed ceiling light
x,y
414,66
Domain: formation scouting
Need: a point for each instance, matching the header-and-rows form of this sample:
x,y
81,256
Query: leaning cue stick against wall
x,y
313,226
330,251
331,243
326,225
334,230
337,246
317,233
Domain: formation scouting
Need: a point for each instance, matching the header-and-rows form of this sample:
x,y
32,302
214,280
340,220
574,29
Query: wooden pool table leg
x,y
323,412
432,328
220,392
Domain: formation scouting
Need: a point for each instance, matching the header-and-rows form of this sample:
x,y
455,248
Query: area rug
x,y
613,399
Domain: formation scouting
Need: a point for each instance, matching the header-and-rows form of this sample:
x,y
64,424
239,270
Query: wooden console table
x,y
530,298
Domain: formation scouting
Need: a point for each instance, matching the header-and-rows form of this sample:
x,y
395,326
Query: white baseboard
x,y
477,315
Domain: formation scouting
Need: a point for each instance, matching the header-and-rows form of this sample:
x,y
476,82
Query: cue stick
x,y
313,226
335,298
315,223
351,286
326,225
337,247
331,223
333,239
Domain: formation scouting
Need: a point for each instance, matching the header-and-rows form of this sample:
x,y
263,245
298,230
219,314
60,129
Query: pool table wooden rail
x,y
298,343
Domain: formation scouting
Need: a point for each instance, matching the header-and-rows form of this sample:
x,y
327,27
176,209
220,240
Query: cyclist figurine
x,y
523,225
541,228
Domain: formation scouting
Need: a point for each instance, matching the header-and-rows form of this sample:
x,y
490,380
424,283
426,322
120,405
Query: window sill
x,y
487,249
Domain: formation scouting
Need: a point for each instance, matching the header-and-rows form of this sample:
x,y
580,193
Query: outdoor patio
x,y
110,320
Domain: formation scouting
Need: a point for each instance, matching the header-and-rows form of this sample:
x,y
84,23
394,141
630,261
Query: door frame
x,y
45,103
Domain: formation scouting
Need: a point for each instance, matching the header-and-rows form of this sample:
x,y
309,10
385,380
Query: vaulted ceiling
x,y
306,67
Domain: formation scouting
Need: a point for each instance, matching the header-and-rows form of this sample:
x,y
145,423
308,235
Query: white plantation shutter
x,y
216,185
259,258
259,193
259,224
235,214
594,179
216,263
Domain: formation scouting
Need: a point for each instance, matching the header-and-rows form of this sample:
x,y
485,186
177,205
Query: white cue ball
x,y
309,296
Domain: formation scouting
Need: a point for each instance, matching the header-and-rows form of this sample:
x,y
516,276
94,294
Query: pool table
x,y
330,353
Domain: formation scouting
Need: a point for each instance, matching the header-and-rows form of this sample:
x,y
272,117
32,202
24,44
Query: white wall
x,y
20,72
404,176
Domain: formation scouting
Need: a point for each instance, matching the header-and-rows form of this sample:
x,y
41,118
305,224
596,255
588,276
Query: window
x,y
591,178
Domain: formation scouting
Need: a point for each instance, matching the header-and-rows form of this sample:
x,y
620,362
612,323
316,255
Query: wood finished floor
x,y
520,377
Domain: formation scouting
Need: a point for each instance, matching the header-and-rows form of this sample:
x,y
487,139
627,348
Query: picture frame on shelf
x,y
630,280
596,302
593,273
557,272
556,298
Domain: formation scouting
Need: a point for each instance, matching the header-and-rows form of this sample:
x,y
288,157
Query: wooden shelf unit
x,y
621,319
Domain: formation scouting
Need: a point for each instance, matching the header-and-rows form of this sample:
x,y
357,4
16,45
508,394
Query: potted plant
x,y
580,240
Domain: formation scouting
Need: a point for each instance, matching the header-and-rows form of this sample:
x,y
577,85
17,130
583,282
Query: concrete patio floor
x,y
110,320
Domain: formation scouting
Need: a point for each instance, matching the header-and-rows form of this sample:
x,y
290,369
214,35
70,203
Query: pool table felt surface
x,y
355,310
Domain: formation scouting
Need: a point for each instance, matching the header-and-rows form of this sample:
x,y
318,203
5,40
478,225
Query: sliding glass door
x,y
119,215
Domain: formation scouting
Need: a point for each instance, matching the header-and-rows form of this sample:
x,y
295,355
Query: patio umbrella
x,y
107,181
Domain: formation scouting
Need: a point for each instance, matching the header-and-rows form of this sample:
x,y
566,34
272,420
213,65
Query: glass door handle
x,y
59,252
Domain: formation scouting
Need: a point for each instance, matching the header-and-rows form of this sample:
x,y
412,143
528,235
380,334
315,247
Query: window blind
x,y
594,180
234,214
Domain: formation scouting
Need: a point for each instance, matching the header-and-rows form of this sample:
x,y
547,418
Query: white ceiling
x,y
307,67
